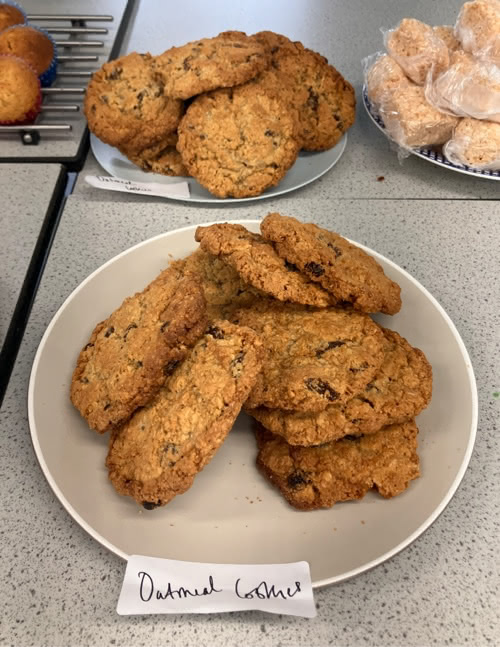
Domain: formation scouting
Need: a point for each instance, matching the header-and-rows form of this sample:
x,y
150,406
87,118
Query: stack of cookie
x,y
232,111
279,324
337,395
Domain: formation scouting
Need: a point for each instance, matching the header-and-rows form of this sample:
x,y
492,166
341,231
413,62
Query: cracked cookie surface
x,y
315,357
311,478
324,100
129,354
258,264
343,269
210,63
238,142
158,453
162,158
126,103
400,390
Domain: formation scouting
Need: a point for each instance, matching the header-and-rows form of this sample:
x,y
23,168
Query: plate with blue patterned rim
x,y
428,153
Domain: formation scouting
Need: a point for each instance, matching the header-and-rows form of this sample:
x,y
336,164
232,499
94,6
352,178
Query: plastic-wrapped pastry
x,y
470,87
478,29
447,34
416,47
475,143
412,122
383,75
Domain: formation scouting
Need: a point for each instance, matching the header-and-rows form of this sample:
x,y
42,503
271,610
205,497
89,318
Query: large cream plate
x,y
231,514
307,168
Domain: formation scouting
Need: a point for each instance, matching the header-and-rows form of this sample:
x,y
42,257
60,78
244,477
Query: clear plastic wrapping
x,y
382,76
412,122
475,143
416,47
478,29
447,34
468,88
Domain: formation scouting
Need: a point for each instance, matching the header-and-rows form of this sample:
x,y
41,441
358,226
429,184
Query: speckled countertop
x,y
60,587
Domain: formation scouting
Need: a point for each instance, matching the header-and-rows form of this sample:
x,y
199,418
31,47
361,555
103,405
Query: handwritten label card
x,y
154,585
174,190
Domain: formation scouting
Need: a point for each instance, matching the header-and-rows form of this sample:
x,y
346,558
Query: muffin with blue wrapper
x,y
35,46
11,14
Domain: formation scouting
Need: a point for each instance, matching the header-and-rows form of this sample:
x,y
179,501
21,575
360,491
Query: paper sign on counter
x,y
154,585
173,190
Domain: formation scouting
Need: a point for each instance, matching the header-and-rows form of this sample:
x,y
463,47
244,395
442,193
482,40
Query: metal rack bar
x,y
77,57
79,43
57,91
61,108
86,18
31,128
77,30
77,73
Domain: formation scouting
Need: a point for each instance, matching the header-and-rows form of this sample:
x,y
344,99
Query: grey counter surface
x,y
60,587
345,31
26,191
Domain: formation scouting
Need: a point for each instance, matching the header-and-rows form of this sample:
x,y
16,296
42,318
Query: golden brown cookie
x,y
129,354
400,390
343,269
238,142
162,158
126,104
157,454
223,287
324,100
315,357
258,264
318,477
210,63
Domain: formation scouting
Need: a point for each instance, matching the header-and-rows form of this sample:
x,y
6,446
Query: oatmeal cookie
x,y
343,269
157,454
258,264
400,390
129,354
162,158
238,142
126,104
223,287
315,357
318,477
210,63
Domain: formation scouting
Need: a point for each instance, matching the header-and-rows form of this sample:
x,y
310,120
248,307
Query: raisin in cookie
x,y
343,269
210,63
126,103
238,142
129,354
400,390
157,454
258,264
315,357
318,477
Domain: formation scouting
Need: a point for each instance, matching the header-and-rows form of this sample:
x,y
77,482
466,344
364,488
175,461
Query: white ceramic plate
x,y
428,153
231,514
308,168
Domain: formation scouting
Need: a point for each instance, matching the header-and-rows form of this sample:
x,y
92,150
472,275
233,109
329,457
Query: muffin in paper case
x,y
470,87
412,122
475,143
416,48
382,77
11,14
478,29
20,93
25,42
